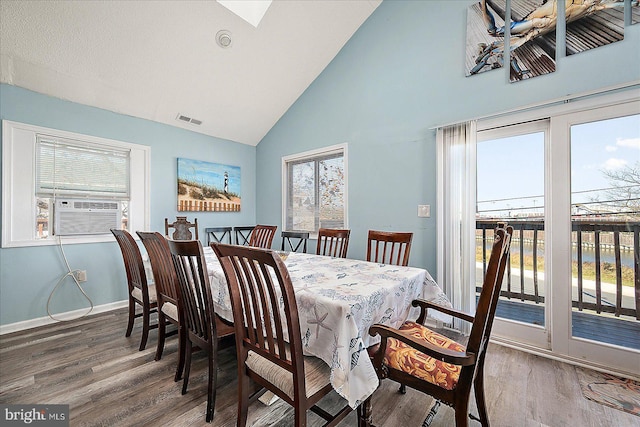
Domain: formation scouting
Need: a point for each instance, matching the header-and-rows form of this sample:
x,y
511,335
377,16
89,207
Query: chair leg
x,y
462,414
243,399
300,417
181,352
162,325
402,389
145,327
132,316
364,413
478,388
212,384
187,365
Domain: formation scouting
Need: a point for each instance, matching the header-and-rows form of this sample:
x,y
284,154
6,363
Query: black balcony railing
x,y
593,236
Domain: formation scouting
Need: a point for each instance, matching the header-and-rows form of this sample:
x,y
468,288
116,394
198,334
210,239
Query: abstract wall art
x,y
593,23
532,44
485,37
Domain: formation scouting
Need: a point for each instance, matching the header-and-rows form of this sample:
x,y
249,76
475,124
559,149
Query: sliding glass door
x,y
510,187
569,184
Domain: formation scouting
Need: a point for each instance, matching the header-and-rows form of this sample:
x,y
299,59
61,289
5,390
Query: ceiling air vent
x,y
188,119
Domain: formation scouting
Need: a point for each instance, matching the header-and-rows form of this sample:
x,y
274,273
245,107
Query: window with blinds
x,y
315,188
60,183
78,169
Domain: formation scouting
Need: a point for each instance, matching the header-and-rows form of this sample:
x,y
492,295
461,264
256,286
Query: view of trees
x,y
623,194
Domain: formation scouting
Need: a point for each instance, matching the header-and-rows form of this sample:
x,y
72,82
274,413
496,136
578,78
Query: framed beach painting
x,y
208,187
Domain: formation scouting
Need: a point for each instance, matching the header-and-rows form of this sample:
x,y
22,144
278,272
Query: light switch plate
x,y
424,211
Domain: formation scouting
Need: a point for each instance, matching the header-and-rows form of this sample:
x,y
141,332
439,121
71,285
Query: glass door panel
x,y
605,221
516,196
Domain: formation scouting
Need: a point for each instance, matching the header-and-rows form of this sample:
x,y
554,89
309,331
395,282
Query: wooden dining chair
x,y
203,327
141,293
242,234
168,293
333,242
181,229
264,307
218,234
294,240
386,247
420,358
262,236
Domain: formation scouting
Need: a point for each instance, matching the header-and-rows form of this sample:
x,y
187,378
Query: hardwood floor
x,y
90,365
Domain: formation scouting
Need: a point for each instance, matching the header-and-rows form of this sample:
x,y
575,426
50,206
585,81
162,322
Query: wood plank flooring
x,y
90,365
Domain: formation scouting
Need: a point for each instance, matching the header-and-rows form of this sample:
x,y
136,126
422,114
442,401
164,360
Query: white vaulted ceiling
x,y
158,59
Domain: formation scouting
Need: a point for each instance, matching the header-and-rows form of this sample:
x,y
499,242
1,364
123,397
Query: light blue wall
x,y
27,275
401,74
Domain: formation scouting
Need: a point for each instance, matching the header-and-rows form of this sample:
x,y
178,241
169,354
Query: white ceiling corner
x,y
158,59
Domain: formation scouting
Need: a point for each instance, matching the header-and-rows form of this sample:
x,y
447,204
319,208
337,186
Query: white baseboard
x,y
69,315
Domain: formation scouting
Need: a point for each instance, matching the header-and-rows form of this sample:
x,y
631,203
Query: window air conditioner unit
x,y
81,216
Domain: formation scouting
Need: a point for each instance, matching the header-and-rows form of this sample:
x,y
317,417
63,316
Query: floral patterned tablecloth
x,y
338,300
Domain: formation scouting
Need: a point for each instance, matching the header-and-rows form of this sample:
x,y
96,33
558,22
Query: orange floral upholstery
x,y
401,357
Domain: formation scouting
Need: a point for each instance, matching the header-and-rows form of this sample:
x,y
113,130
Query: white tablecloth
x,y
338,300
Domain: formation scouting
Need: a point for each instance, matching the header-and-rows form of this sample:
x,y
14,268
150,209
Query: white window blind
x,y
74,168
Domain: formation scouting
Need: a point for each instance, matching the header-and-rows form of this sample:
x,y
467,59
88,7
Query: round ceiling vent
x,y
223,38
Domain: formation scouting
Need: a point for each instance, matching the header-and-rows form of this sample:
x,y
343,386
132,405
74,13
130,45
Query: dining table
x,y
338,300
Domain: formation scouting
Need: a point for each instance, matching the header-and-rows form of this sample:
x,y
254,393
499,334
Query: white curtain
x,y
456,151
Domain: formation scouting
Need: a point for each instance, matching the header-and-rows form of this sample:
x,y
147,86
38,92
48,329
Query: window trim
x,y
18,184
577,104
308,155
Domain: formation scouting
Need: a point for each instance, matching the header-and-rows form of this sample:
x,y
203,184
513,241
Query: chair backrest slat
x,y
257,299
389,247
181,228
133,264
289,241
243,233
490,293
218,234
278,340
189,297
164,272
262,236
193,280
333,242
259,284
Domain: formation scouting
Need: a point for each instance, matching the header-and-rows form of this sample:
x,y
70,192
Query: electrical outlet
x,y
424,211
81,275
